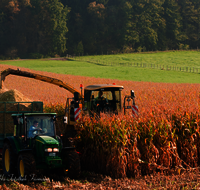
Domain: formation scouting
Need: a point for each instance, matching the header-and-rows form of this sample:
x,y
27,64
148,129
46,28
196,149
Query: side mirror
x,y
65,119
132,94
76,100
76,94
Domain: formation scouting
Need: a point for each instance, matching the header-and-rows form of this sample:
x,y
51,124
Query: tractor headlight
x,y
55,150
48,150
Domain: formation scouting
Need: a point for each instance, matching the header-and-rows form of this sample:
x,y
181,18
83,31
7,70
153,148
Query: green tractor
x,y
35,146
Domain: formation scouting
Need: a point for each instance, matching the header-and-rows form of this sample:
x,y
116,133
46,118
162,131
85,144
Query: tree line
x,y
39,28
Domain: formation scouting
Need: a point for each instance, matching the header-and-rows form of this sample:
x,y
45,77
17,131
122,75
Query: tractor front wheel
x,y
26,166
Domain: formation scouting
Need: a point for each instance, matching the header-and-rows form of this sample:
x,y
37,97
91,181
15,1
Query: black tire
x,y
8,160
26,167
73,164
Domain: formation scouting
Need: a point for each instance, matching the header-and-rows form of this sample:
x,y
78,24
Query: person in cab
x,y
101,102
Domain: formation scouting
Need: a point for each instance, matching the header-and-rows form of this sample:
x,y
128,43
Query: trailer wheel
x,y
8,160
26,166
73,165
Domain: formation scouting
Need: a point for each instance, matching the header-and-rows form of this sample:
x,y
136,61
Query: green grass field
x,y
171,58
96,66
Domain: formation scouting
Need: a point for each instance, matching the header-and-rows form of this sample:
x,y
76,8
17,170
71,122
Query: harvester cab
x,y
103,98
99,98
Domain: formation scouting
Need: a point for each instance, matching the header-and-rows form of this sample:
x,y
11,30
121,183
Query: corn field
x,y
164,137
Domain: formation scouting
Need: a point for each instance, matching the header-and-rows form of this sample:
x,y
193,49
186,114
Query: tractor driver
x,y
34,129
100,102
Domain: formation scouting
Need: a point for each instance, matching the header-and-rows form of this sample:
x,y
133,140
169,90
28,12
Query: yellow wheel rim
x,y
21,168
7,160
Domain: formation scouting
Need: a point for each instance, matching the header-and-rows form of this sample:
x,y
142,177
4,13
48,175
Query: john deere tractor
x,y
32,148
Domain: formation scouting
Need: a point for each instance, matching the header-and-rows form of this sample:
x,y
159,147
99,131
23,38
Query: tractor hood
x,y
47,140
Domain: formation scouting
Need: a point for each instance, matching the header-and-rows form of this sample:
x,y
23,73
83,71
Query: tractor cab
x,y
35,134
30,125
103,98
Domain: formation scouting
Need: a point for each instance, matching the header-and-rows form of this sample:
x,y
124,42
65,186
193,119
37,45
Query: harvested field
x,y
148,94
186,180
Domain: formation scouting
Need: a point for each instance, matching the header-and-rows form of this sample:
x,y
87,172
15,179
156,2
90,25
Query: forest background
x,y
43,28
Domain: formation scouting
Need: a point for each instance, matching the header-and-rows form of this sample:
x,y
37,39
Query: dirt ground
x,y
89,180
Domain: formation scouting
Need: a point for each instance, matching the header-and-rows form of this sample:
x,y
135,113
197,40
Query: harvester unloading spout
x,y
51,80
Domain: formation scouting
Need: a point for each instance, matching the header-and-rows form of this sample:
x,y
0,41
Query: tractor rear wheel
x,y
73,164
8,160
26,166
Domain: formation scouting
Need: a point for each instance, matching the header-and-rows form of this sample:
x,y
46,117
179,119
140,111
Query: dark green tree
x,y
77,24
173,32
32,26
8,13
49,18
118,23
95,30
2,18
131,33
190,13
149,22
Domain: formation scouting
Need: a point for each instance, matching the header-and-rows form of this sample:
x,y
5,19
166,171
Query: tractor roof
x,y
102,86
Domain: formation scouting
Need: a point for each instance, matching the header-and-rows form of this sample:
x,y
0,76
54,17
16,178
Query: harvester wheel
x,y
8,160
73,164
26,166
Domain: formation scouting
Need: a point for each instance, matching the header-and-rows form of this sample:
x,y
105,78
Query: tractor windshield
x,y
107,100
40,125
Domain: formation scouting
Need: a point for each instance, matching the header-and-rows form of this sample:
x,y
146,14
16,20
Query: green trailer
x,y
28,142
